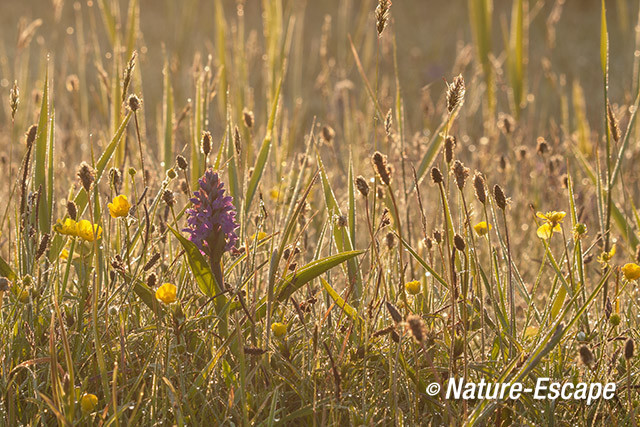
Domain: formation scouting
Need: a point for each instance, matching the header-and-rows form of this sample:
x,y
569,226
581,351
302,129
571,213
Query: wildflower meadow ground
x,y
342,212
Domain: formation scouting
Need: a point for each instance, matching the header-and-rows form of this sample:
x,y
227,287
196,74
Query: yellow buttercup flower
x,y
64,254
68,227
279,329
166,293
119,207
258,236
88,402
605,257
413,287
553,219
87,231
482,228
631,271
274,194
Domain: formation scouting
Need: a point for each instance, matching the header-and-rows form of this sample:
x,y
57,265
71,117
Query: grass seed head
x,y
44,244
134,103
586,356
455,93
629,348
382,15
498,194
205,143
382,169
362,185
168,197
87,175
542,146
72,210
31,135
248,118
152,280
460,173
415,326
115,179
436,175
449,145
613,123
14,99
479,186
328,133
505,123
390,240
182,163
393,312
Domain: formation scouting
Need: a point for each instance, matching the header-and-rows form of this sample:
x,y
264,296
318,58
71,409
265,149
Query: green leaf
x,y
480,15
6,271
294,281
424,264
101,165
199,267
340,302
39,170
148,297
168,117
341,235
558,301
433,148
604,41
516,55
263,155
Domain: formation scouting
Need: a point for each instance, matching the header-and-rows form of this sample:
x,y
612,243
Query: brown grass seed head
x,y
449,145
436,175
629,348
455,93
382,169
460,173
87,175
362,185
479,186
498,194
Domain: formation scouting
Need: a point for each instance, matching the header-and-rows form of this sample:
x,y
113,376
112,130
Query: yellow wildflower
x,y
88,402
64,254
631,271
258,236
68,227
553,219
482,228
413,287
279,329
87,231
119,207
274,194
166,293
605,257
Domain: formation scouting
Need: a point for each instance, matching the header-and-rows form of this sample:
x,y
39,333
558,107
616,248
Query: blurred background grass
x,y
429,34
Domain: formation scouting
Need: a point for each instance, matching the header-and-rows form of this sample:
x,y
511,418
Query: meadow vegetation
x,y
255,213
